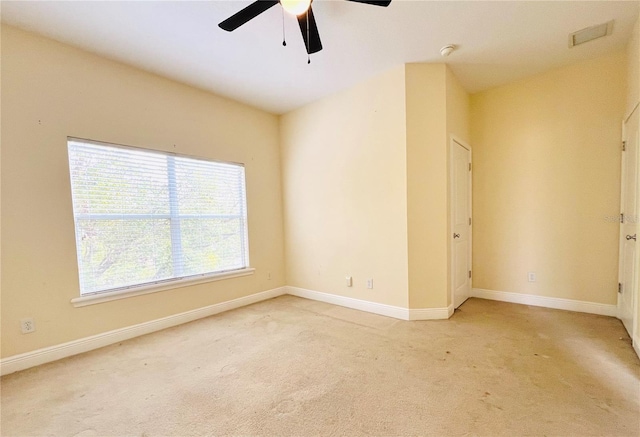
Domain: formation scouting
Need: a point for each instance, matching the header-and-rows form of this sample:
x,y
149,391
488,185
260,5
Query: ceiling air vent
x,y
590,33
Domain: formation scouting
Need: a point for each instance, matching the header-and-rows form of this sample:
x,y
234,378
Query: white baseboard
x,y
373,307
431,313
547,302
53,353
636,347
349,302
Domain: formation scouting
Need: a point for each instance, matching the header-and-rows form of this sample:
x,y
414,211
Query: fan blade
x,y
248,13
313,44
383,3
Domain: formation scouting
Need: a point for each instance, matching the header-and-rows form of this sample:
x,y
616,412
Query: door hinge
x,y
469,166
621,217
624,146
469,273
620,287
469,221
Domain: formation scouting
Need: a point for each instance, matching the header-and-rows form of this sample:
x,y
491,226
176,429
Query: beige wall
x,y
426,99
437,109
633,69
391,228
364,181
458,107
50,91
344,179
546,177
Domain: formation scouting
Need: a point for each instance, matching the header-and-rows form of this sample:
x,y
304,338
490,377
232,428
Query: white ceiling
x,y
498,41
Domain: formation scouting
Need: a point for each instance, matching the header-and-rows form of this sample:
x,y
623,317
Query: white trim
x,y
45,355
631,113
53,353
621,227
431,313
92,299
636,347
350,302
547,302
373,307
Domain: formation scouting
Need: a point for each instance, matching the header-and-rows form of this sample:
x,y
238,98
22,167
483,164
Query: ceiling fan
x,y
300,8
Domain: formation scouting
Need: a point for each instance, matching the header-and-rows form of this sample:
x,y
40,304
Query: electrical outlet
x,y
349,281
27,326
532,277
370,283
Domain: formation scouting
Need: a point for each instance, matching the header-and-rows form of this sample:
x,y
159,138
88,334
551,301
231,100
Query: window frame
x,y
174,217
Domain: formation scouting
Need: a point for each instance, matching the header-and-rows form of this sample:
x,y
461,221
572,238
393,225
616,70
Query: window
x,y
144,217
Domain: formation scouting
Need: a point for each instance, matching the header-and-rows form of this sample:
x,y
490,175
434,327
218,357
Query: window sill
x,y
108,296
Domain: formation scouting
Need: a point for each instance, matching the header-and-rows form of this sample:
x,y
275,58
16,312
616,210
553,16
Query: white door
x,y
460,202
628,228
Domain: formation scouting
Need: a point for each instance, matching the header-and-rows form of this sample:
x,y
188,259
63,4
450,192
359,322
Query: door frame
x,y
453,142
634,285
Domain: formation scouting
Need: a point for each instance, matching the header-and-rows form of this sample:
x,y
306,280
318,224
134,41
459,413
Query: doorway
x,y
627,287
461,223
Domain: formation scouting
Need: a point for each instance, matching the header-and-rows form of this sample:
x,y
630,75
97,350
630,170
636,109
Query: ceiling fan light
x,y
295,7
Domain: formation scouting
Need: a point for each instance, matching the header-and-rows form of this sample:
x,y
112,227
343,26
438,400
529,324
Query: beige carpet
x,y
291,366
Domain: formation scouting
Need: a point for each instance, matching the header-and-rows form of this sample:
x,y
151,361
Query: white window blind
x,y
144,217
